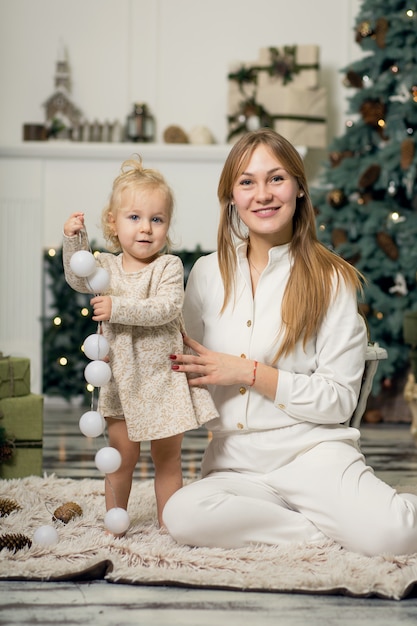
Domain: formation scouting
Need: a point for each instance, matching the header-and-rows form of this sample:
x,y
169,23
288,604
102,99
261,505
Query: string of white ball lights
x,y
92,424
98,373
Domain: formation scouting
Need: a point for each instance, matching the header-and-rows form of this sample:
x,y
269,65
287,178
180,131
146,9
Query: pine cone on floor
x,y
7,506
14,541
67,512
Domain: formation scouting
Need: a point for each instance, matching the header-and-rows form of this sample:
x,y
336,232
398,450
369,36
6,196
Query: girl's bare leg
x,y
118,484
166,456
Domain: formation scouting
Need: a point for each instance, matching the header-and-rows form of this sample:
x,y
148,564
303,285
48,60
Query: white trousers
x,y
256,488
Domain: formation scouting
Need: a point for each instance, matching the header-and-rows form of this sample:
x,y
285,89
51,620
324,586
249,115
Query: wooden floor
x,y
389,449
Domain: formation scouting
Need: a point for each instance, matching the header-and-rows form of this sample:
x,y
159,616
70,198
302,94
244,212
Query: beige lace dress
x,y
145,328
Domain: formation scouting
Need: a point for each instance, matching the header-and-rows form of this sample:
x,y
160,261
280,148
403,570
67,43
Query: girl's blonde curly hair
x,y
135,177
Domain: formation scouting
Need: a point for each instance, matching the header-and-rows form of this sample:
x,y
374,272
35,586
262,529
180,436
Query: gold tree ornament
x,y
336,198
363,30
14,541
66,512
7,506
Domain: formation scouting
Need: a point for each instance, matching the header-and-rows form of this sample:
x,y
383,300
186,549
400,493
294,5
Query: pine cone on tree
x,y
14,541
407,153
66,512
339,236
372,111
7,506
381,30
387,244
369,176
353,79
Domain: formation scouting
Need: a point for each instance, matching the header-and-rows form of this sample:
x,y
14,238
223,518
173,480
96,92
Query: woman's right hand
x,y
74,224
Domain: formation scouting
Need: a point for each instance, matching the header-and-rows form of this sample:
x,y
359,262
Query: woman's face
x,y
265,195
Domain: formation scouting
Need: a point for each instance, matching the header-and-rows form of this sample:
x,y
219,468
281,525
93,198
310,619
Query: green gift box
x,y
22,419
26,461
14,376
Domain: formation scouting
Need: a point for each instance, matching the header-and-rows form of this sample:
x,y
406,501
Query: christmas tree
x,y
366,202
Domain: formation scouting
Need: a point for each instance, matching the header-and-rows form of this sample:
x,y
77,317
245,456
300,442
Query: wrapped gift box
x,y
22,419
297,66
299,114
26,461
14,376
279,90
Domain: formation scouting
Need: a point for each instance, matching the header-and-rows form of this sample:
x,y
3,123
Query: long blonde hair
x,y
133,176
308,291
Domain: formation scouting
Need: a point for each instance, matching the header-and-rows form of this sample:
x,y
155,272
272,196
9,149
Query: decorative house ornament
x,y
280,90
62,115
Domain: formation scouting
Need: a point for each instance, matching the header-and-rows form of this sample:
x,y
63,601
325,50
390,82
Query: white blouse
x,y
318,384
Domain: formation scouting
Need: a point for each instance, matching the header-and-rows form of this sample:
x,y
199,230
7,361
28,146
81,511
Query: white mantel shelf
x,y
111,151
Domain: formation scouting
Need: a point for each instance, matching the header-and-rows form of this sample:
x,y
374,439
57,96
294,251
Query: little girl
x,y
141,317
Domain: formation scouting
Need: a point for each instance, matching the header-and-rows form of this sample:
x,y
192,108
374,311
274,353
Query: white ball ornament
x,y
46,535
108,460
117,520
92,424
96,347
83,263
97,373
99,280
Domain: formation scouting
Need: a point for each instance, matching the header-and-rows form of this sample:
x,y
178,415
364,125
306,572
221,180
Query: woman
x,y
277,336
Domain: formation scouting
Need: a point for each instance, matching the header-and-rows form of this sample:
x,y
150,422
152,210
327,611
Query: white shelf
x,y
111,151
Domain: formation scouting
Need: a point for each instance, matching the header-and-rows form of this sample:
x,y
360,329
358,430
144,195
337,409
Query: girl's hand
x,y
101,308
74,224
212,368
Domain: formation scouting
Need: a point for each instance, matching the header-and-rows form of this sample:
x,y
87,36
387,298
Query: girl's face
x,y
141,223
265,196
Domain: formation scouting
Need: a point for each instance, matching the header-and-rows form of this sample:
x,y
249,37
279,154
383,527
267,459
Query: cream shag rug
x,y
147,556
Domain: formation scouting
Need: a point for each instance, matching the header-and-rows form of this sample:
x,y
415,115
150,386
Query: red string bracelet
x,y
255,367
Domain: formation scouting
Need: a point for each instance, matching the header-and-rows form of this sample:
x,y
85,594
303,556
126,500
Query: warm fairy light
x,y
63,361
90,388
379,315
394,69
381,123
57,321
84,312
51,252
349,123
395,216
322,227
410,13
96,253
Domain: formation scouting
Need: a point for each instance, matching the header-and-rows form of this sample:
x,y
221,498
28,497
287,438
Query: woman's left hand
x,y
212,368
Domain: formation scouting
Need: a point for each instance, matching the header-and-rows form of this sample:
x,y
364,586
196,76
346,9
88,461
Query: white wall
x,y
174,55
